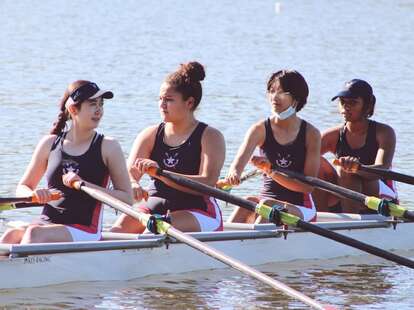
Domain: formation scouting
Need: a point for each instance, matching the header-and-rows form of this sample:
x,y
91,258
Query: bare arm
x,y
36,168
254,137
115,161
142,147
329,140
386,147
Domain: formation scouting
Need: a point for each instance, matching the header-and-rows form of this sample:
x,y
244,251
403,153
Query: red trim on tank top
x,y
93,227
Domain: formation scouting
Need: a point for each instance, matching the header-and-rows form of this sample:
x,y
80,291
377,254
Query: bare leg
x,y
241,215
46,233
324,200
13,236
127,224
185,221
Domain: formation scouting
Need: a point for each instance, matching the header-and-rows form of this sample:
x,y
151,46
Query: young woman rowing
x,y
79,154
183,145
286,141
358,141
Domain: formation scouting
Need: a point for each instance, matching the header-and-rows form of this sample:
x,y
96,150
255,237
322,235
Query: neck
x,y
287,123
79,135
183,126
357,126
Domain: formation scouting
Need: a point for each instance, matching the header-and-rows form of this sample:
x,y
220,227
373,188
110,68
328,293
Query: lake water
x,y
129,46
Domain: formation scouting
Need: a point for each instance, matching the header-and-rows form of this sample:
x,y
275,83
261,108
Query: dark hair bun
x,y
194,71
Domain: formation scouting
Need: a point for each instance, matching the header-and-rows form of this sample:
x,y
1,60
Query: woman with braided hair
x,y
65,156
183,145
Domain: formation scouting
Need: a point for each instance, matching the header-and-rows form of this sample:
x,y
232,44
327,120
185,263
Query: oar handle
x,y
355,166
53,196
224,184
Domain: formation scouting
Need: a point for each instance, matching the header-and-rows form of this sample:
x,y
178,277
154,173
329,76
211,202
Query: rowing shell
x,y
128,256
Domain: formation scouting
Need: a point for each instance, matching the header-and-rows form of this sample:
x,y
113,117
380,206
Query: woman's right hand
x,y
233,177
138,192
44,195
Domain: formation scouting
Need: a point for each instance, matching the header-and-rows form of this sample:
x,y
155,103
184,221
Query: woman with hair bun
x,y
285,141
181,144
65,156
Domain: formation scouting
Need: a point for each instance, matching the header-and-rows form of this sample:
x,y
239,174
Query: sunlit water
x,y
129,46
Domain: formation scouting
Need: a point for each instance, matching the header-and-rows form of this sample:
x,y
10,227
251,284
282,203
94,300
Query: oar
x,y
33,199
21,205
384,173
286,218
369,201
222,183
164,227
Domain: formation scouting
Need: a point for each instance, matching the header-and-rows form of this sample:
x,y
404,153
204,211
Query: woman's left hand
x,y
70,178
142,165
262,163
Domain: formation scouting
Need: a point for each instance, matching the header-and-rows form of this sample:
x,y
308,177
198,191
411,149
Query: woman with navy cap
x,y
66,156
359,140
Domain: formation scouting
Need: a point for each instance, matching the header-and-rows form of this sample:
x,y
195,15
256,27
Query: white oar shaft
x,y
196,244
236,264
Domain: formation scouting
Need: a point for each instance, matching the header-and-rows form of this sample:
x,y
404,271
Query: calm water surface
x,y
129,46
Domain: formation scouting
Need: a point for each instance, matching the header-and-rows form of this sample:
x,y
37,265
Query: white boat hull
x,y
22,269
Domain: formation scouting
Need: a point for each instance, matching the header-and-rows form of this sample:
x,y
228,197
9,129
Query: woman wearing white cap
x,y
358,141
65,156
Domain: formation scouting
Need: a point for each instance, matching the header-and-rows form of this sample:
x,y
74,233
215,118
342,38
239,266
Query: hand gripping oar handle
x,y
384,173
196,244
222,183
369,201
33,199
286,218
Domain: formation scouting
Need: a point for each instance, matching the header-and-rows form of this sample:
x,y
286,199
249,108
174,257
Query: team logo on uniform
x,y
283,161
170,160
69,165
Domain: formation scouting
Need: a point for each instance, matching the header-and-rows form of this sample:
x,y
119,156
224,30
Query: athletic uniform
x,y
83,214
292,157
366,155
184,159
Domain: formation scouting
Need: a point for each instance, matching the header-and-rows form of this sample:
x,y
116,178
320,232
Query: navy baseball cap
x,y
355,88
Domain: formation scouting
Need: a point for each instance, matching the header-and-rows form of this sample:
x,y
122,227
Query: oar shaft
x,y
356,244
389,174
205,189
332,188
21,205
194,243
384,173
54,196
236,264
208,190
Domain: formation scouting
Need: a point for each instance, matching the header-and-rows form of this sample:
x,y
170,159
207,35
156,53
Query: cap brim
x,y
106,94
344,93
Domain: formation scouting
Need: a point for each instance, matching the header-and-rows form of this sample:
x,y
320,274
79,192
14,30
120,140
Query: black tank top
x,y
367,153
184,159
80,207
290,156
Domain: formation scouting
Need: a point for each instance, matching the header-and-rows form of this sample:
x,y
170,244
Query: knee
x,y
12,236
327,171
34,234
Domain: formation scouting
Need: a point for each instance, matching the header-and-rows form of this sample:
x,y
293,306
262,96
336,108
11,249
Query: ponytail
x,y
60,123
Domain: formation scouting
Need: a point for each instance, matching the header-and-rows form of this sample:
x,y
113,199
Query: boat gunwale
x,y
260,231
